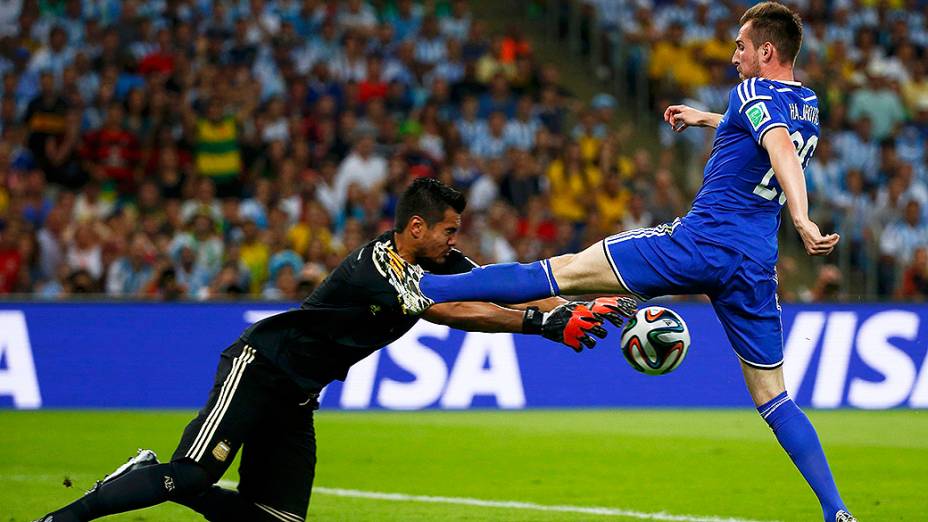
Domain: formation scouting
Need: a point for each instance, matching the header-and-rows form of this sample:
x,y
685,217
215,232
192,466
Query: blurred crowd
x,y
203,149
866,60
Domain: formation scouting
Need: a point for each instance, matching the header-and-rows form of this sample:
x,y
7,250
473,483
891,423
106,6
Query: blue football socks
x,y
502,283
799,439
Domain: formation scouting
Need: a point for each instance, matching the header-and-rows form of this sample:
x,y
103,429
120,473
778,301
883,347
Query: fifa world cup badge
x,y
221,451
758,115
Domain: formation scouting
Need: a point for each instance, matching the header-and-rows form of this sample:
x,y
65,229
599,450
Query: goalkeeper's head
x,y
428,217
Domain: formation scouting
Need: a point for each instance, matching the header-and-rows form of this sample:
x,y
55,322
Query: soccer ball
x,y
655,341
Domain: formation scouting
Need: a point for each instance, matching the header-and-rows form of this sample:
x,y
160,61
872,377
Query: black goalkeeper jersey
x,y
352,314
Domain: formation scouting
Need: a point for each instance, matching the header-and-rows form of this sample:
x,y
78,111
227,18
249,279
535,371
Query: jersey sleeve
x,y
753,107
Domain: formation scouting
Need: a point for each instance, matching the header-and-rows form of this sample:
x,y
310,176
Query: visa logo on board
x,y
17,369
834,358
486,365
841,334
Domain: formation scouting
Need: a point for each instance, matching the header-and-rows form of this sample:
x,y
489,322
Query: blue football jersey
x,y
740,199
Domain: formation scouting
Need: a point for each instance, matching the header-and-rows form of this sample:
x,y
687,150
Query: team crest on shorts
x,y
221,451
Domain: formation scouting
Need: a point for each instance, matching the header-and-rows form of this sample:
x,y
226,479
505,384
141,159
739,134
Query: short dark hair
x,y
427,198
775,23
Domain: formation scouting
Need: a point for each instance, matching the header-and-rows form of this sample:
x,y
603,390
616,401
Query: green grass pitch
x,y
694,463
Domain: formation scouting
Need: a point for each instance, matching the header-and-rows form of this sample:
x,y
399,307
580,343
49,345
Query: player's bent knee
x,y
190,478
586,272
561,262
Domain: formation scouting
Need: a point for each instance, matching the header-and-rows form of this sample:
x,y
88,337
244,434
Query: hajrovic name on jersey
x,y
806,112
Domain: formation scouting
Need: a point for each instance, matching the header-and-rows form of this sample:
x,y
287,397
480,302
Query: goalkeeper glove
x,y
573,324
613,309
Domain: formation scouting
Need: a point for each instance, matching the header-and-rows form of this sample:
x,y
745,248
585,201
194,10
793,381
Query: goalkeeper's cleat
x,y
142,459
403,277
844,516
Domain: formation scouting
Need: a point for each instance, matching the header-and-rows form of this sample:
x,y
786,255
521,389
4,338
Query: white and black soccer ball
x,y
655,341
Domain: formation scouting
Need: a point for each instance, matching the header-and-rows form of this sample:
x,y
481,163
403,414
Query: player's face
x,y
745,57
441,237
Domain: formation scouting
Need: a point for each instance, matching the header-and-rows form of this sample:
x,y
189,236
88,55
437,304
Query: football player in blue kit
x,y
725,247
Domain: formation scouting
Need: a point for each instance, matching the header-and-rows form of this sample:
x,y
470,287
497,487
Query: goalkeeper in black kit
x,y
268,381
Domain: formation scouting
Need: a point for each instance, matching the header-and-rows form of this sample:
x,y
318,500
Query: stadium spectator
x,y
456,25
258,110
492,142
45,117
55,55
51,244
112,154
665,200
898,243
674,65
915,277
827,286
878,101
130,274
362,167
11,259
218,155
858,150
637,216
485,190
521,131
854,214
571,180
86,251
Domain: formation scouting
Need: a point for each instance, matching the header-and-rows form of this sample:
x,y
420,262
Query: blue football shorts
x,y
670,260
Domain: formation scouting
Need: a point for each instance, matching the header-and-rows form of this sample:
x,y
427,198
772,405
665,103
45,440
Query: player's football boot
x,y
844,516
142,459
403,277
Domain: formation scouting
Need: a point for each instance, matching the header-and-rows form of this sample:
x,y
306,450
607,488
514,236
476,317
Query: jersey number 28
x,y
805,149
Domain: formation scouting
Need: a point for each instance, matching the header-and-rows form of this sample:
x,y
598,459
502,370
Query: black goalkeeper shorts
x,y
256,407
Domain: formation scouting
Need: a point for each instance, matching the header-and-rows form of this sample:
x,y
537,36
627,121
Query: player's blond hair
x,y
775,23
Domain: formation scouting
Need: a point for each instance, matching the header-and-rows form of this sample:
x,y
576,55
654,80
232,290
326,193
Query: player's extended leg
x,y
573,274
746,305
797,436
137,489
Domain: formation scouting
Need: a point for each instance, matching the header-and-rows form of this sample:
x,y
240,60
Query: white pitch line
x,y
512,504
462,501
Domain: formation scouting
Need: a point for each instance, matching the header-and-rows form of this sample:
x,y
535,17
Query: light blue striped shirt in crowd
x,y
487,146
469,130
431,51
855,153
521,134
900,240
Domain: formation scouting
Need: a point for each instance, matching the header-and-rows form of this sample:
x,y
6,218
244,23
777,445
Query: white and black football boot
x,y
142,459
844,516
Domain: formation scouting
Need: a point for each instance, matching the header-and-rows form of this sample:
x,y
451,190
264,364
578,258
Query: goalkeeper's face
x,y
436,240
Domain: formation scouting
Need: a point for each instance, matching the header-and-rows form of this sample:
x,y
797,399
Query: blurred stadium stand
x,y
867,62
173,149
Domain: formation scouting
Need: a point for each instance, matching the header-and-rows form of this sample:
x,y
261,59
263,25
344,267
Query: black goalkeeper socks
x,y
140,488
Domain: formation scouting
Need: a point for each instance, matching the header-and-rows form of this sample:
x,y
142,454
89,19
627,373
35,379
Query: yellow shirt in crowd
x,y
569,192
